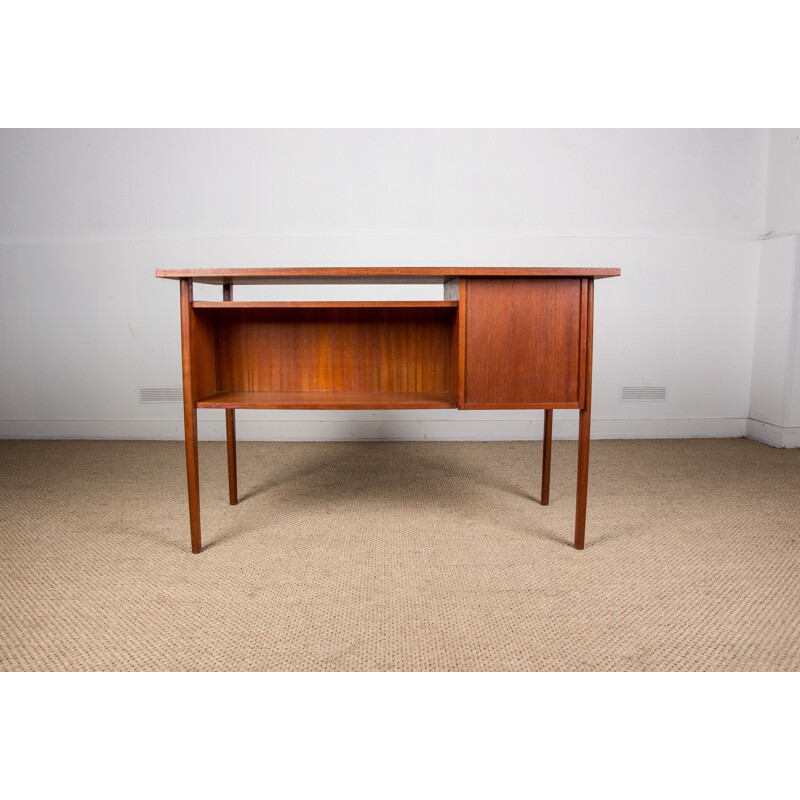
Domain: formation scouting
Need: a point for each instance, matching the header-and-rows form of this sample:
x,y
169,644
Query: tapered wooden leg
x,y
190,413
230,423
583,477
546,447
230,426
584,425
193,476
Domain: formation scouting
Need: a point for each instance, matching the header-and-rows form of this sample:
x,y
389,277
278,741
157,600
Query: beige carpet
x,y
400,556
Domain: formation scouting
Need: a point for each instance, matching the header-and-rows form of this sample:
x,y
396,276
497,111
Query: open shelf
x,y
325,354
231,305
328,400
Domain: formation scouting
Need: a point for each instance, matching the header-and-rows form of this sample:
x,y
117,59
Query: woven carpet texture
x,y
400,556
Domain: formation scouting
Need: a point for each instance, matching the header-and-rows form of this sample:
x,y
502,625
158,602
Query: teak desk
x,y
499,338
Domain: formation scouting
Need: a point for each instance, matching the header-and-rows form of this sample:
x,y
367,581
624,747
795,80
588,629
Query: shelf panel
x,y
233,304
328,400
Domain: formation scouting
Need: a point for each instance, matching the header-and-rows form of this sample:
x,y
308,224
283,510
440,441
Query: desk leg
x,y
230,423
193,475
583,477
230,427
190,412
546,448
585,425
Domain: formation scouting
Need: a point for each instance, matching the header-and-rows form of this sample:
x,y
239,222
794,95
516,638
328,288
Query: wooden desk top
x,y
268,275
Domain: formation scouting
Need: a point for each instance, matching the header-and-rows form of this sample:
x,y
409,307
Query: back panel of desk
x,y
333,350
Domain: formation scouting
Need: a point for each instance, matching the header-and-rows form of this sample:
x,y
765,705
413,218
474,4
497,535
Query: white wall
x,y
775,392
782,212
141,185
773,355
87,216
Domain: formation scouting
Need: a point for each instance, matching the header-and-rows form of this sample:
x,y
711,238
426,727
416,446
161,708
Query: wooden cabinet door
x,y
525,342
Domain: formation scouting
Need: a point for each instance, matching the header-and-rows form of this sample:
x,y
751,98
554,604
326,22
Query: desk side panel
x,y
198,349
523,343
457,290
203,357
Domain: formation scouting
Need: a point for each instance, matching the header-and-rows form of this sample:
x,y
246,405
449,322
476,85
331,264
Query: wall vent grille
x,y
639,392
160,394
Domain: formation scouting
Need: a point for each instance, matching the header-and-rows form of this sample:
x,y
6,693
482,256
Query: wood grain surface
x,y
326,304
356,275
333,349
523,342
456,291
329,400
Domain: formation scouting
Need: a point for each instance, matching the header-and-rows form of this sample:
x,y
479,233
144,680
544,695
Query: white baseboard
x,y
774,435
349,426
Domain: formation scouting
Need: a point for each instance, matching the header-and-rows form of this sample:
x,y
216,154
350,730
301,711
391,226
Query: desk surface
x,y
263,275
